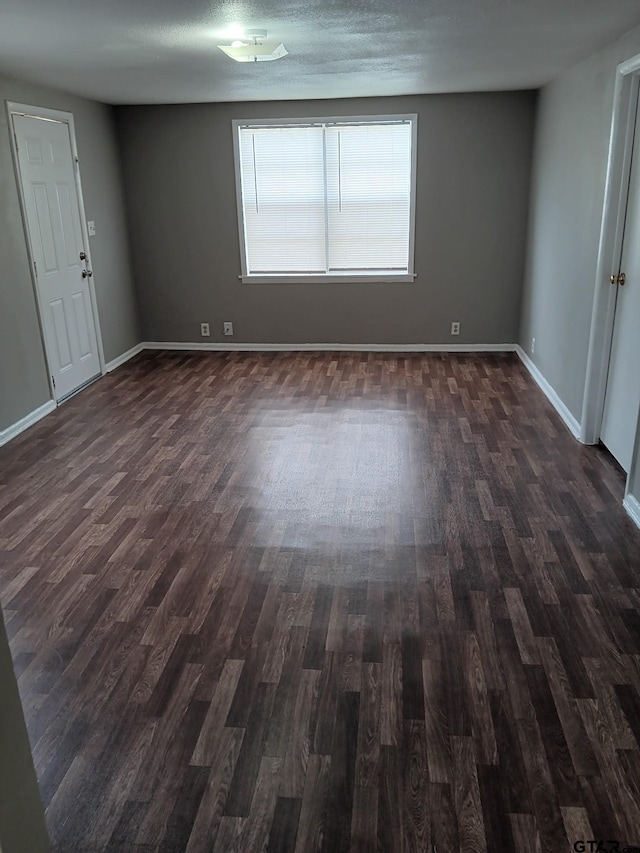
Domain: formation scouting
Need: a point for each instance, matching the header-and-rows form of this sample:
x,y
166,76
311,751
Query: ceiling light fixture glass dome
x,y
254,47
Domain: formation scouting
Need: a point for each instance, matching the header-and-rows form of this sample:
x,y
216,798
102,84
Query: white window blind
x,y
327,199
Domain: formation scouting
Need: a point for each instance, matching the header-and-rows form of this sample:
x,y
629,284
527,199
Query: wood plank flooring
x,y
277,602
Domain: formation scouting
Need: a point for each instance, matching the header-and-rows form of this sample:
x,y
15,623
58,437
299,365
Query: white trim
x,y
63,117
330,278
630,66
30,111
211,347
632,506
303,121
610,247
121,359
24,423
550,394
242,235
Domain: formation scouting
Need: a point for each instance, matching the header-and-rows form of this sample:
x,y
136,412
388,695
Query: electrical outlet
x,y
455,328
204,330
533,345
227,328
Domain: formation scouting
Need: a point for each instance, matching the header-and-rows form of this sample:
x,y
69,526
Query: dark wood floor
x,y
323,602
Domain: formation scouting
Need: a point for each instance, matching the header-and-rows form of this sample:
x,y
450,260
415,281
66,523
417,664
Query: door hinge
x,y
35,266
54,381
15,136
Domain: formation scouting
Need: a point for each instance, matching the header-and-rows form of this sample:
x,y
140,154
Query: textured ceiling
x,y
164,51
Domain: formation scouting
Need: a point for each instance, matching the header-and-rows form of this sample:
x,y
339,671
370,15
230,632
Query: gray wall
x,y
567,199
474,155
22,827
23,378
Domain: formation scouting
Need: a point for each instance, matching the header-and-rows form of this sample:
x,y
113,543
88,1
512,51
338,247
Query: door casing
x,y
620,154
46,114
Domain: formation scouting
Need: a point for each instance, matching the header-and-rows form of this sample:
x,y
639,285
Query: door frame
x,y
47,114
621,144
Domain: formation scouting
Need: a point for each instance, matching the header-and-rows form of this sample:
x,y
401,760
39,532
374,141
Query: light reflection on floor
x,y
344,481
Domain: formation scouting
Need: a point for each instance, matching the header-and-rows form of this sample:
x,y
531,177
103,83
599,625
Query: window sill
x,y
364,278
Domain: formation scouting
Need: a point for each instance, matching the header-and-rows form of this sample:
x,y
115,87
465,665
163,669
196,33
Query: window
x,y
326,199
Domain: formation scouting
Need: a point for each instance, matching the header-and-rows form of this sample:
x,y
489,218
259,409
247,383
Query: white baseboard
x,y
28,420
549,392
230,347
116,362
632,506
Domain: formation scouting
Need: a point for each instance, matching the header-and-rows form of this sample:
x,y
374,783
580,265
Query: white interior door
x,y
53,218
622,398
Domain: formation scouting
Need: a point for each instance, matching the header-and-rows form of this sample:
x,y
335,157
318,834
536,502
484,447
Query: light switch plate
x,y
91,228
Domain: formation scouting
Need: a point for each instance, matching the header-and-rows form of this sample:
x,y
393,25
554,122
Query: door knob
x,y
83,256
618,279
86,273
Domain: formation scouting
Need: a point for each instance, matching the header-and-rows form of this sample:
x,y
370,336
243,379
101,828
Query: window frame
x,y
326,278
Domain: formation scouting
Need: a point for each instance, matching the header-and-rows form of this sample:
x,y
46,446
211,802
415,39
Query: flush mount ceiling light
x,y
254,46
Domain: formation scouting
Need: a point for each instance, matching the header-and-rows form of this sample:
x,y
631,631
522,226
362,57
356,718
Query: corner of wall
x,y
22,825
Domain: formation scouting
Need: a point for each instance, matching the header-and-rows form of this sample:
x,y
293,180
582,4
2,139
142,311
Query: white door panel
x,y
622,398
62,342
70,222
44,234
53,218
82,323
33,150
